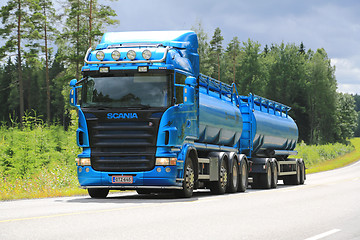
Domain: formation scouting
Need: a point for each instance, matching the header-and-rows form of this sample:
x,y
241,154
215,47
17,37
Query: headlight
x,y
100,55
115,55
131,54
166,161
83,161
146,54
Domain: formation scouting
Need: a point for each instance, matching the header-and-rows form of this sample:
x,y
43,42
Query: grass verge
x,y
338,162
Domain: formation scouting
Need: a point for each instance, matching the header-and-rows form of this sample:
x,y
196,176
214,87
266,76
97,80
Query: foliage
x,y
36,159
315,154
319,164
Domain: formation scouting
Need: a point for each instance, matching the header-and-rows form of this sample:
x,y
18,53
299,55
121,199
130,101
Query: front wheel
x,y
98,192
188,182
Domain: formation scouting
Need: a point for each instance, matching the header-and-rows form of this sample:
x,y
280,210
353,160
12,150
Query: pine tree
x,y
216,50
15,19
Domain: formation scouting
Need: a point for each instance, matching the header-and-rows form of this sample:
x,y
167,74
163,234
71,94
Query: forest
x,y
43,44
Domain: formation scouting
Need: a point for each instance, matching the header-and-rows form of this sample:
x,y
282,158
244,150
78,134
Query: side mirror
x,y
73,93
191,81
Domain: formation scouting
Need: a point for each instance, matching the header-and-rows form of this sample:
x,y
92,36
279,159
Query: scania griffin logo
x,y
122,115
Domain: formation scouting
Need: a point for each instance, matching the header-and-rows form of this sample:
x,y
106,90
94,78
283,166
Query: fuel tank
x,y
220,121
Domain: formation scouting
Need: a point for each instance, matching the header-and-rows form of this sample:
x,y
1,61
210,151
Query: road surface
x,y
326,207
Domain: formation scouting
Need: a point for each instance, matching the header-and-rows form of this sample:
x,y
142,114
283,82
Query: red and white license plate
x,y
122,179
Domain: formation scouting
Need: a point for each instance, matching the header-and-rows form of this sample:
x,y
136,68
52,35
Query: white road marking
x,y
325,234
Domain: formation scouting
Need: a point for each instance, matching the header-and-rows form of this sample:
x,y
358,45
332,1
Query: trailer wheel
x,y
274,175
293,179
265,178
234,178
189,181
243,179
302,173
98,192
219,187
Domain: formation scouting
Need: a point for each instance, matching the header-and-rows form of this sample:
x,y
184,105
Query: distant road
x,y
326,207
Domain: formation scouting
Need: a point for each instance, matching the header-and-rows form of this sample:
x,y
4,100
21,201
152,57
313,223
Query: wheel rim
x,y
189,177
223,176
235,175
275,175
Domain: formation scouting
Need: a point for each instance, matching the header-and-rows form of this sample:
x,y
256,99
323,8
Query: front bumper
x,y
161,177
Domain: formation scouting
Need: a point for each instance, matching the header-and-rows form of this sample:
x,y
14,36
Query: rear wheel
x,y
219,187
293,179
243,179
274,175
265,178
98,192
234,178
302,173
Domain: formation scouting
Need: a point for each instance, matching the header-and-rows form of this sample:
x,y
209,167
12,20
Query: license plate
x,y
122,179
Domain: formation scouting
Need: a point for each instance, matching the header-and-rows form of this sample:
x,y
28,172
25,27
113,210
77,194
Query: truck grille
x,y
122,145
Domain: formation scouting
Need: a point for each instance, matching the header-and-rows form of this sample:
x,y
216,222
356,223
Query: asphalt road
x,y
326,207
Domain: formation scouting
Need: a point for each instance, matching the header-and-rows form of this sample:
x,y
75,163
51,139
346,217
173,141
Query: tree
x,y
15,19
44,18
216,49
233,52
347,117
250,72
77,34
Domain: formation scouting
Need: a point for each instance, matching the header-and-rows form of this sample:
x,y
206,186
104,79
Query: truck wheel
x,y
274,176
189,181
234,178
243,179
98,192
302,173
265,178
219,187
293,179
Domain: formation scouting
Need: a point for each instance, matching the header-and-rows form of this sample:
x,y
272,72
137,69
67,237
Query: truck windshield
x,y
129,90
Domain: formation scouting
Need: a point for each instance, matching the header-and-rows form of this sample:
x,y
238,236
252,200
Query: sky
x,y
329,24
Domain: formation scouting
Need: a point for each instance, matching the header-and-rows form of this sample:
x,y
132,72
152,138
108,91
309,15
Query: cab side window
x,y
179,88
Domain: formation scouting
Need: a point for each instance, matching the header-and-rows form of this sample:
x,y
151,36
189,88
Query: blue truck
x,y
150,122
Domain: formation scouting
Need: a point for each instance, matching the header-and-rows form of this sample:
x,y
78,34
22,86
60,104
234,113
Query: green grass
x,y
337,162
330,156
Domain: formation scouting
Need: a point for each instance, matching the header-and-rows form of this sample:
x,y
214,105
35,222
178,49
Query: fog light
x,y
115,55
146,54
100,55
167,169
131,54
166,161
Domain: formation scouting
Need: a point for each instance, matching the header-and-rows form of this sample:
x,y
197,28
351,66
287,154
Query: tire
x,y
98,192
243,177
293,179
274,175
234,178
219,187
302,173
189,180
265,178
